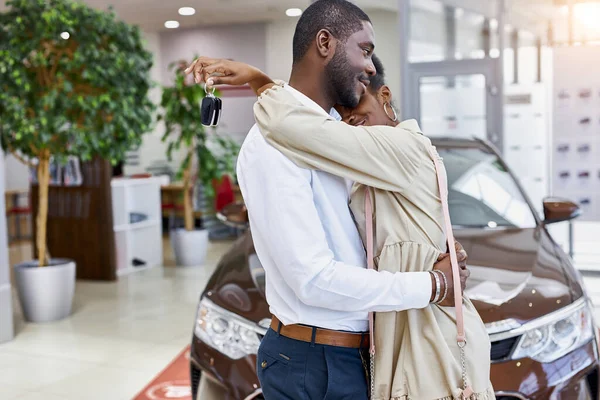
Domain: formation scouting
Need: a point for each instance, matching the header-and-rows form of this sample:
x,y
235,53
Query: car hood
x,y
518,274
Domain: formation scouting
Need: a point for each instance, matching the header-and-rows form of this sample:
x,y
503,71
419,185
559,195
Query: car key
x,y
211,109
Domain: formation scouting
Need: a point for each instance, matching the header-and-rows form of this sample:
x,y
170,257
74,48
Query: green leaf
x,y
90,105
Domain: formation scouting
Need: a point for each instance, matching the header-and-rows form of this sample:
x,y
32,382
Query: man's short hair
x,y
340,17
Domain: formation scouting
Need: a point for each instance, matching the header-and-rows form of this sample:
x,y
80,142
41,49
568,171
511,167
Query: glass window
x,y
454,106
434,24
482,194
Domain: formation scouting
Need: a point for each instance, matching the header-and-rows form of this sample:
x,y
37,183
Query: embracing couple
x,y
349,219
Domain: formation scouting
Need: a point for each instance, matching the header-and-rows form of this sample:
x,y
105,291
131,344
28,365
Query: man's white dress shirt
x,y
308,244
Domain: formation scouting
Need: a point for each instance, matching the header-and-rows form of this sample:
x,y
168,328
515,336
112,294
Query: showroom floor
x,y
121,335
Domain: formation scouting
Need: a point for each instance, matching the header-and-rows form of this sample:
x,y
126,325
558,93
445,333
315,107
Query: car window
x,y
481,191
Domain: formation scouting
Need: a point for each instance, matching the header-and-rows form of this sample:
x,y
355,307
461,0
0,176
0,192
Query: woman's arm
x,y
218,71
384,157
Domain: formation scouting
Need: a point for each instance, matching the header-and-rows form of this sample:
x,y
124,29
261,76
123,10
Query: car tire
x,y
195,377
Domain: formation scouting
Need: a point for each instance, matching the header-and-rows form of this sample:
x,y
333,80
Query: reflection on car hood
x,y
516,274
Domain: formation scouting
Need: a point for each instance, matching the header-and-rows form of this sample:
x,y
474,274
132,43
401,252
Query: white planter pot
x,y
190,247
46,293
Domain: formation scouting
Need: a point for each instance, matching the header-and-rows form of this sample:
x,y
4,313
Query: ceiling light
x,y
65,35
172,24
187,11
293,12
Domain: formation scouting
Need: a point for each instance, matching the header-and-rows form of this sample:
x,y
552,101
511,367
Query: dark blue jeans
x,y
289,369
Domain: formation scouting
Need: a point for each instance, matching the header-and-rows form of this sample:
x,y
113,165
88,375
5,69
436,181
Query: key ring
x,y
212,93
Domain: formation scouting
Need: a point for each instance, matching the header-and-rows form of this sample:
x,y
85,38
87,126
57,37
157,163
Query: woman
x,y
417,354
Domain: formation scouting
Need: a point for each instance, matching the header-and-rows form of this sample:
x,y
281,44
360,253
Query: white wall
x,y
239,42
6,315
246,43
279,35
16,174
387,47
152,148
243,42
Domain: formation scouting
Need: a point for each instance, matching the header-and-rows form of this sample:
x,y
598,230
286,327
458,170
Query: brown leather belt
x,y
322,336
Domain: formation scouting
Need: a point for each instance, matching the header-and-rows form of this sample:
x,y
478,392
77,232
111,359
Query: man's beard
x,y
341,80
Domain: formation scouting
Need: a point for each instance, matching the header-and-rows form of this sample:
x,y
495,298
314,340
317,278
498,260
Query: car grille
x,y
502,348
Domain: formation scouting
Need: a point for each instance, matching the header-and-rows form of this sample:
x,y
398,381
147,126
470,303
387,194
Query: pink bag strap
x,y
461,339
443,184
442,179
370,256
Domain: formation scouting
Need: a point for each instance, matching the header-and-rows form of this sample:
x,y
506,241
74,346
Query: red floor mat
x,y
172,383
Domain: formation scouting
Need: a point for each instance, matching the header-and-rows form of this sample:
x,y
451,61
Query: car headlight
x,y
225,331
551,337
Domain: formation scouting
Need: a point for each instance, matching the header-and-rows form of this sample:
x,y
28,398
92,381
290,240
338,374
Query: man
x,y
317,286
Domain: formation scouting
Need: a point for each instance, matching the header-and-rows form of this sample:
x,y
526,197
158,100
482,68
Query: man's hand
x,y
217,71
445,266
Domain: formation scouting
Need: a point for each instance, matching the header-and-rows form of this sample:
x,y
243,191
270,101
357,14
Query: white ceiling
x,y
150,15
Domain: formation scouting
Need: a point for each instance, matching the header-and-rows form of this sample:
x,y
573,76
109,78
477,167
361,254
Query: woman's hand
x,y
445,266
217,71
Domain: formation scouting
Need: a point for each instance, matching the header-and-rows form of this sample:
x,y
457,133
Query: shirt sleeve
x,y
383,157
287,229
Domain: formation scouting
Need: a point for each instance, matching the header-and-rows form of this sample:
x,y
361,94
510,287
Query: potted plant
x,y
74,82
207,157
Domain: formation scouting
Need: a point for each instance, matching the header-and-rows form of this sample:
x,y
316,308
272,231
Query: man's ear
x,y
326,43
384,94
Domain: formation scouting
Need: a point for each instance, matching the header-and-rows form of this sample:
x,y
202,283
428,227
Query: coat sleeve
x,y
383,157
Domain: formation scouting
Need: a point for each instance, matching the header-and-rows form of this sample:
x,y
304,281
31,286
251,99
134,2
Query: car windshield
x,y
482,193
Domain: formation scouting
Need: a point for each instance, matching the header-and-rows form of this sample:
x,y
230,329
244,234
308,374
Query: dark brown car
x,y
524,286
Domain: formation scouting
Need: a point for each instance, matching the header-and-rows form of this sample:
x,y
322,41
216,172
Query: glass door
x,y
453,106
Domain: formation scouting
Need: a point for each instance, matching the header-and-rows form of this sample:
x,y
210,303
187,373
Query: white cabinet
x,y
526,139
137,223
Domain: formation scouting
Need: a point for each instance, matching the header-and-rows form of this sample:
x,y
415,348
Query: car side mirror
x,y
558,210
234,215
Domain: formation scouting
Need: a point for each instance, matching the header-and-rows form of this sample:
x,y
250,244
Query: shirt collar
x,y
308,102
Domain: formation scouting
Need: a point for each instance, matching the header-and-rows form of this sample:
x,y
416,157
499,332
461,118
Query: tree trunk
x,y
188,209
43,173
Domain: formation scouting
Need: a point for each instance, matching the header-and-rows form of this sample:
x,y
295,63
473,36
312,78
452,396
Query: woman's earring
x,y
385,109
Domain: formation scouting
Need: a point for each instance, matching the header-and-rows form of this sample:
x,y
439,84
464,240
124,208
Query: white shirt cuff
x,y
416,289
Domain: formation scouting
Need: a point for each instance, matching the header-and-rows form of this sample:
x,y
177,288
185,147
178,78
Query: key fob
x,y
211,110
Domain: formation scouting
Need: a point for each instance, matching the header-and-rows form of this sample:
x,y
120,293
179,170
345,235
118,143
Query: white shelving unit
x,y
141,241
